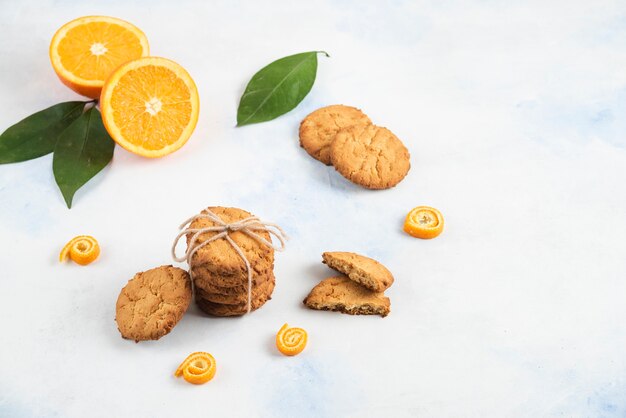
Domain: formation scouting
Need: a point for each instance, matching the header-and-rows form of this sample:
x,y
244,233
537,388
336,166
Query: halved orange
x,y
150,106
85,51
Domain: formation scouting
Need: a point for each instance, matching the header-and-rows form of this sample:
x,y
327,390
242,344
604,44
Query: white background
x,y
514,117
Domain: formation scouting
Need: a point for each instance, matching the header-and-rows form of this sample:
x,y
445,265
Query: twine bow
x,y
248,226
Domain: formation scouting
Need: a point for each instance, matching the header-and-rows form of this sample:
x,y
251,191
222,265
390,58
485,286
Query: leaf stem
x,y
89,104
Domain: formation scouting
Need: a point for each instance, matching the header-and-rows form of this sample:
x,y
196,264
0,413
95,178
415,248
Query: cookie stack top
x,y
219,256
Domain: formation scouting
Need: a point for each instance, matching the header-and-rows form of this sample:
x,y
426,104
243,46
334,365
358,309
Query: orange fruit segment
x,y
424,222
83,250
150,106
85,51
291,341
197,368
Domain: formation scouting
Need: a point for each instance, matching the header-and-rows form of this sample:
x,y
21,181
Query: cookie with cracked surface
x,y
152,303
220,256
346,296
370,156
220,309
264,289
318,129
363,270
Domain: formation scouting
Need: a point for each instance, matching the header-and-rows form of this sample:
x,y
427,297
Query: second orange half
x,y
150,106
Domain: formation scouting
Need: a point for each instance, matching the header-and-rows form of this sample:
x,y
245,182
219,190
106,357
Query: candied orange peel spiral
x,y
424,222
82,250
291,341
198,368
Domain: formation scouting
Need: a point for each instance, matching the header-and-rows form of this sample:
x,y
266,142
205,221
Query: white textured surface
x,y
514,116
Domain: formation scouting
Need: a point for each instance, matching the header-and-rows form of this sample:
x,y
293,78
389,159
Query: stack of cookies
x,y
220,275
366,154
360,291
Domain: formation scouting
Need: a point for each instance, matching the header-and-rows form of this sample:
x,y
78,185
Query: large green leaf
x,y
82,150
278,88
37,134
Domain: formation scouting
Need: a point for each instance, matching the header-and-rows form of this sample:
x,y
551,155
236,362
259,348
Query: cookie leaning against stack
x,y
220,275
365,154
152,303
359,292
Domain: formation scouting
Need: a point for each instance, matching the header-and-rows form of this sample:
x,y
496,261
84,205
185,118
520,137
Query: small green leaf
x,y
277,88
37,134
83,149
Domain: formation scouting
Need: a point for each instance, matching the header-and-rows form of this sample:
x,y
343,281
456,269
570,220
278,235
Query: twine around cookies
x,y
248,226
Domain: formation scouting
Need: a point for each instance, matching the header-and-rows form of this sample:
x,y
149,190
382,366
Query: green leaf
x,y
37,134
278,88
83,149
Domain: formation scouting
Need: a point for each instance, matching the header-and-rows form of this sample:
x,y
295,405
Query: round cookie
x,y
218,309
152,303
220,256
370,156
265,289
318,129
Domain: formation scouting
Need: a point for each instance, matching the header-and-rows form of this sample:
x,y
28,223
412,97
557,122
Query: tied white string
x,y
248,226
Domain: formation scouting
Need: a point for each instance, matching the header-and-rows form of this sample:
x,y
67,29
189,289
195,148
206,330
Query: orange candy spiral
x,y
291,341
198,368
82,250
424,222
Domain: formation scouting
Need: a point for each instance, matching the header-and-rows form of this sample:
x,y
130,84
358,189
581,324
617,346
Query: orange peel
x,y
83,250
291,341
197,368
424,222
